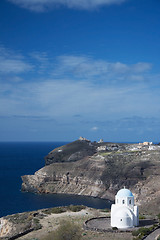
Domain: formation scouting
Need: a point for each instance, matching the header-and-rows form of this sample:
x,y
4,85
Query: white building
x,y
101,148
123,213
100,141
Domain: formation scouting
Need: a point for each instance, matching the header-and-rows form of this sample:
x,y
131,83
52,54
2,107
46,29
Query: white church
x,y
124,214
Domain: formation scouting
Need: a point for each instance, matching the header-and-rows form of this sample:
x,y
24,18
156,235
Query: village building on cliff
x,y
124,214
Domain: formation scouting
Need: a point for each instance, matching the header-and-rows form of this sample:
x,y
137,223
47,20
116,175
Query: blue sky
x,y
71,68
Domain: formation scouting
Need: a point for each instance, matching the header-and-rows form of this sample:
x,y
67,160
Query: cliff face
x,y
82,177
100,170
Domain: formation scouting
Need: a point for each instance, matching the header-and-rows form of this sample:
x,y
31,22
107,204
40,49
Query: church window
x,y
129,201
121,220
123,202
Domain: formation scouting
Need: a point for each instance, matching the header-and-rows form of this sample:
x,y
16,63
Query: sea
x,y
23,158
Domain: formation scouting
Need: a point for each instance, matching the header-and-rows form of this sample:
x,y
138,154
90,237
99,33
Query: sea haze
x,y
17,159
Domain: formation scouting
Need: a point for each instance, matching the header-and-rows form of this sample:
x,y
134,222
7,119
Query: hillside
x,y
100,170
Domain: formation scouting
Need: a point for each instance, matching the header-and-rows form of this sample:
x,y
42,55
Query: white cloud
x,y
42,61
70,66
12,63
43,5
13,66
94,128
141,67
40,57
86,67
73,86
81,66
119,67
63,99
139,78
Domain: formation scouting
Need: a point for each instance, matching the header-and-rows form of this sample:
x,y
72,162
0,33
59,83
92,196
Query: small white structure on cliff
x,y
123,213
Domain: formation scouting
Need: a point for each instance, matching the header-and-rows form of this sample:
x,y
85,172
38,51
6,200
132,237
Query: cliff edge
x,y
100,170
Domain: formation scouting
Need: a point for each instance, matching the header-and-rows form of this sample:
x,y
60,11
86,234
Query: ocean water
x,y
17,159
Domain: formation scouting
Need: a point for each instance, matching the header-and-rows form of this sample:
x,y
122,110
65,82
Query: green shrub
x,y
66,231
55,210
36,220
37,224
158,237
141,232
75,208
142,217
105,210
135,233
144,231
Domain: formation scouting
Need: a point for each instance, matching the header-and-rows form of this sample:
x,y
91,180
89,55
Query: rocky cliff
x,y
71,152
100,170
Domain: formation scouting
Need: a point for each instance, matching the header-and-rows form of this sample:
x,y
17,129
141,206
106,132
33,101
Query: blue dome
x,y
124,193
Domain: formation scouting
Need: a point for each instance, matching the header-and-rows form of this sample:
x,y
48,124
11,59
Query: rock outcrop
x,y
71,152
17,225
99,170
